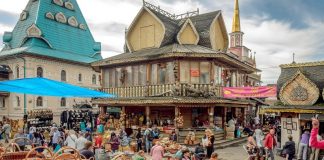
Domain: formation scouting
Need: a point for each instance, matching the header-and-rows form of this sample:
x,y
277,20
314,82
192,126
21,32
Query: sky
x,y
274,29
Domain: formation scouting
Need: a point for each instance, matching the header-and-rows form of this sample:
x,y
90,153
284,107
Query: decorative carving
x,y
23,15
60,17
58,2
49,15
299,94
69,5
73,22
83,26
34,31
299,90
192,92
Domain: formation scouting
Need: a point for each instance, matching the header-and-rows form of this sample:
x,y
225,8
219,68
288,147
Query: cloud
x,y
7,18
274,29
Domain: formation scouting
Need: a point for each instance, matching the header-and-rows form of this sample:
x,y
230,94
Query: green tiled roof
x,y
57,40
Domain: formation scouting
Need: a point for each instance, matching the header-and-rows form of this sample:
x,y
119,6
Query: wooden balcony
x,y
167,90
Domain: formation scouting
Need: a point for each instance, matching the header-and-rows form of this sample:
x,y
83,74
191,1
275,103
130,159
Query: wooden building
x,y
300,91
176,64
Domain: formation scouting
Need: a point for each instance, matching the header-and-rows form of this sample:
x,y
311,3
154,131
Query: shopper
x,y
289,148
270,143
173,136
258,136
139,139
20,139
210,143
80,142
148,136
6,129
303,146
55,138
71,139
114,141
139,156
214,156
157,151
199,152
315,151
186,155
87,151
313,137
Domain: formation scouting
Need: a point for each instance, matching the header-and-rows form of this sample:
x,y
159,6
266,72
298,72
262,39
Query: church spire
x,y
236,26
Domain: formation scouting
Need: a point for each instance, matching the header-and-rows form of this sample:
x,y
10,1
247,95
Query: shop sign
x,y
250,92
194,73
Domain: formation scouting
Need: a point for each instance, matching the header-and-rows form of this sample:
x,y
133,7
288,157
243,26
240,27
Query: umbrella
x,y
47,87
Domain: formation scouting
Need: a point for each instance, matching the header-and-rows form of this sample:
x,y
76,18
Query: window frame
x,y
63,73
38,72
39,101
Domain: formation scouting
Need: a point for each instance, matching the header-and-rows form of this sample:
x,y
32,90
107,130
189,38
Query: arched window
x,y
63,102
18,101
39,72
63,75
94,79
80,77
17,71
39,102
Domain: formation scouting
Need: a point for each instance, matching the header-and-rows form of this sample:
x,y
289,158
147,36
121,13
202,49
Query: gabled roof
x,y
173,23
312,70
62,32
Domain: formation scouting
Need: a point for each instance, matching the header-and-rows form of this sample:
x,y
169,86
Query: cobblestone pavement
x,y
235,153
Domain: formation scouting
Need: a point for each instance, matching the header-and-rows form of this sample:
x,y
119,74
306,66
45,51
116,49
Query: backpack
x,y
150,136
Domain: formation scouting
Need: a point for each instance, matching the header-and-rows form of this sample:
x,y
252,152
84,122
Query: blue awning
x,y
47,87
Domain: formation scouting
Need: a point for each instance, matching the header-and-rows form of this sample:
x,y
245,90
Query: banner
x,y
249,92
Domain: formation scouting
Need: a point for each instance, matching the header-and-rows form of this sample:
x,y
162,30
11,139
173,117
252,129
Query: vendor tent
x,y
47,87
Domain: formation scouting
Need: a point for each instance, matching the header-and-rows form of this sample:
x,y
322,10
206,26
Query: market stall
x,y
40,118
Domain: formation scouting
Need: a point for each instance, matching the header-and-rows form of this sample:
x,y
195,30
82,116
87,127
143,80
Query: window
x,y
94,79
129,76
18,101
135,74
118,77
80,77
161,73
39,101
17,71
184,72
142,75
170,76
63,102
39,72
204,73
154,78
2,102
194,72
63,75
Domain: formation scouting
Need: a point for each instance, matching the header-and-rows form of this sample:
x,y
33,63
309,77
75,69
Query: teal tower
x,y
52,28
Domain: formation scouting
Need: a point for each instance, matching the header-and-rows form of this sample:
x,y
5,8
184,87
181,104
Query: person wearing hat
x,y
289,148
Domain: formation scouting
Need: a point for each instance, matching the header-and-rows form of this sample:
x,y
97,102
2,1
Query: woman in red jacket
x,y
313,137
270,143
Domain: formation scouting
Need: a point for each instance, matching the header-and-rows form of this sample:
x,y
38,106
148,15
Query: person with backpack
x,y
6,129
156,132
148,136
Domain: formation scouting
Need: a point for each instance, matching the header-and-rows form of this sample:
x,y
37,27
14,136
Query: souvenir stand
x,y
40,118
80,113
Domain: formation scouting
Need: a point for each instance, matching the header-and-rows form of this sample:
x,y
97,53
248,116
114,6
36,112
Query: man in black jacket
x,y
289,148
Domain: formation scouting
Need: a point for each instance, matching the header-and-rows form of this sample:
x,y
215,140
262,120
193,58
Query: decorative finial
x,y
236,26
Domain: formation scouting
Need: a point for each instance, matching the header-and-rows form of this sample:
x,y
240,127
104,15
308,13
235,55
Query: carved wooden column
x,y
147,113
176,113
211,116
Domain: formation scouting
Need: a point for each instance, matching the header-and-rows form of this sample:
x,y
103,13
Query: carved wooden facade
x,y
299,91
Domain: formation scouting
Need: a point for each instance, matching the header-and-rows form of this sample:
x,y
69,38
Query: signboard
x,y
249,92
194,73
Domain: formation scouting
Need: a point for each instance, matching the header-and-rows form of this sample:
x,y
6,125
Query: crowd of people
x,y
88,142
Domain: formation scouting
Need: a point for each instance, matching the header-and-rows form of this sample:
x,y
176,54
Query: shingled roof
x,y
52,28
312,70
173,24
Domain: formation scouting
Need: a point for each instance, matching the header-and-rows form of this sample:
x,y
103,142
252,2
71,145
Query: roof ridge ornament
x,y
168,14
34,31
50,15
69,5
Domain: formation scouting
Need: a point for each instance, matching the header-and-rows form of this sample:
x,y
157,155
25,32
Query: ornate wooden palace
x,y
178,64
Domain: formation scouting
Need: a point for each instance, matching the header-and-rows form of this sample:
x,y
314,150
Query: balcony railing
x,y
167,90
